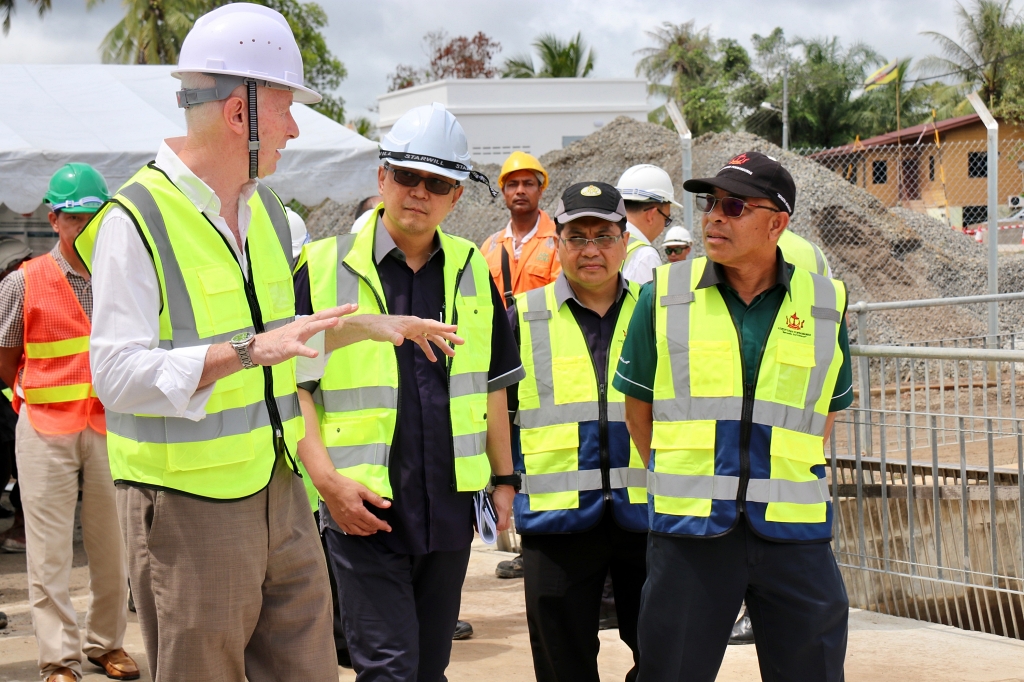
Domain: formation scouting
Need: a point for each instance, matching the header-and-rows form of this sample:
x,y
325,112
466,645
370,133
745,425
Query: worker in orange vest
x,y
524,255
45,312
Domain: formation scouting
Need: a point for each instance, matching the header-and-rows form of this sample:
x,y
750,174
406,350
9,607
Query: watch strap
x,y
515,480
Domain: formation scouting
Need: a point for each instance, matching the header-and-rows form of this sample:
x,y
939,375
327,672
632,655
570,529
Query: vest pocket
x,y
551,450
224,299
795,361
573,379
182,457
282,297
793,454
711,369
683,449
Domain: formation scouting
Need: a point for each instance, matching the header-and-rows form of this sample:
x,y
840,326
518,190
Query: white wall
x,y
531,114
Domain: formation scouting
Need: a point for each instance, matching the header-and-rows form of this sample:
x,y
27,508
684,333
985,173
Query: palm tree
x,y
682,54
987,34
151,31
7,6
559,59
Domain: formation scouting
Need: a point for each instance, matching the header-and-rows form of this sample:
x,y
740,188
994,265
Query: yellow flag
x,y
886,74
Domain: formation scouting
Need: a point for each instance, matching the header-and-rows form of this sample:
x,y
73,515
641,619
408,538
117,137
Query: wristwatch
x,y
241,342
514,479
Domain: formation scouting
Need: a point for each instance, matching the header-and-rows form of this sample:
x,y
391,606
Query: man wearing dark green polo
x,y
734,368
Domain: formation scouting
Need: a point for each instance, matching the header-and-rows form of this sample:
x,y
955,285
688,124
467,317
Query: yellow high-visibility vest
x,y
358,397
563,410
252,415
720,445
803,253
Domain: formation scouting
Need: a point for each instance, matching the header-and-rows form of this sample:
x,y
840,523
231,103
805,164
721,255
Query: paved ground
x,y
882,648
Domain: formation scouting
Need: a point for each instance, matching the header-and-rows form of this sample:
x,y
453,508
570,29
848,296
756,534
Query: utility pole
x,y
686,141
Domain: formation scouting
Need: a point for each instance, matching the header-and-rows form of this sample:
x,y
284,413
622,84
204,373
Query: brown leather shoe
x,y
62,675
117,665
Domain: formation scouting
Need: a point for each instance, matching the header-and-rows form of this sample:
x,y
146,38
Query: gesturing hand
x,y
397,328
289,341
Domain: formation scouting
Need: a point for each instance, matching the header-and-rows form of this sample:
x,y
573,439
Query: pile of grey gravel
x,y
881,254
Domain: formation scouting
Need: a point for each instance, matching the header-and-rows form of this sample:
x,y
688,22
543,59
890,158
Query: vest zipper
x,y
747,416
602,425
455,321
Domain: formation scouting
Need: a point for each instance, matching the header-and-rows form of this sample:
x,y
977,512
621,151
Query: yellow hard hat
x,y
518,161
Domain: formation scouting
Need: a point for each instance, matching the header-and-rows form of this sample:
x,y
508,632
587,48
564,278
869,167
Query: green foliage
x,y
7,7
364,127
558,59
458,57
152,31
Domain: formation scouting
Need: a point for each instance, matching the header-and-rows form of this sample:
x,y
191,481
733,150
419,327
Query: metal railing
x,y
927,478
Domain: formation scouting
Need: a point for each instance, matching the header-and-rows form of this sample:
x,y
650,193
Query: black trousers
x,y
795,595
398,610
564,578
339,630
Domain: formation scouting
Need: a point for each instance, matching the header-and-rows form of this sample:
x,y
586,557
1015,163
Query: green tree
x,y
558,59
152,31
458,57
7,7
984,56
878,113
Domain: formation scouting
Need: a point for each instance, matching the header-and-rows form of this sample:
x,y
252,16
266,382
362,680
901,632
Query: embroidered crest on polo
x,y
591,191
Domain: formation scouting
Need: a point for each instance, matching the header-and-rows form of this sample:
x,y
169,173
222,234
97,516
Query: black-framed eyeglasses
x,y
732,207
409,179
667,217
676,250
579,243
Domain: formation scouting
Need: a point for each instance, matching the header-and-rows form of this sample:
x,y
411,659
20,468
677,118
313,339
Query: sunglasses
x,y
580,243
732,207
676,250
409,179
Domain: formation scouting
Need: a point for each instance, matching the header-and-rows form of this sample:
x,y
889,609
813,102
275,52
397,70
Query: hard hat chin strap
x,y
254,132
475,176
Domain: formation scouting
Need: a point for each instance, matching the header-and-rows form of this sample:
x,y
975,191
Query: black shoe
x,y
742,631
510,568
3,620
131,600
5,513
463,630
344,658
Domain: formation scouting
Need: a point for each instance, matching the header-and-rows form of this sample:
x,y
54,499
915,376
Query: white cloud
x,y
371,38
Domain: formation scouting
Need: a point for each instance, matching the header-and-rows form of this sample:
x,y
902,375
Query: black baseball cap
x,y
751,174
591,199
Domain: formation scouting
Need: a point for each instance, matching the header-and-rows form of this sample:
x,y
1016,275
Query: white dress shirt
x,y
640,268
517,246
129,372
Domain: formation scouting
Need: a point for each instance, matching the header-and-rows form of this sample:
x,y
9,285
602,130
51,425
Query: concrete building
x,y
534,115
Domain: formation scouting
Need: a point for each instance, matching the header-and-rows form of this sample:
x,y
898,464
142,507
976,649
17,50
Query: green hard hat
x,y
77,188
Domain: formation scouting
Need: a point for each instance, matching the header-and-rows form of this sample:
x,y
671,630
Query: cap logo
x,y
591,191
739,160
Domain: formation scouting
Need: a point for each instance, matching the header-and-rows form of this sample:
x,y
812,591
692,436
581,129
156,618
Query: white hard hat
x,y
243,40
429,138
362,220
646,183
678,236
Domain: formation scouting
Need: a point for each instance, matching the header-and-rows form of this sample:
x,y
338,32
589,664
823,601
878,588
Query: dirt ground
x,y
881,648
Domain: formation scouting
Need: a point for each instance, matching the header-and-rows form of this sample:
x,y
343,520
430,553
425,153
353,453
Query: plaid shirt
x,y
12,300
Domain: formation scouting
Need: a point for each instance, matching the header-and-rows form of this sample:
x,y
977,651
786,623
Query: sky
x,y
372,36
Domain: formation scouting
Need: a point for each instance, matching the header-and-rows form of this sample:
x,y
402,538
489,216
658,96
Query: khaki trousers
x,y
51,468
228,591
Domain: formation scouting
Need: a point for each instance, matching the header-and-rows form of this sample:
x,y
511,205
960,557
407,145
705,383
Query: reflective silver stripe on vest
x,y
183,320
469,383
627,477
348,281
278,219
467,283
561,482
699,487
677,332
167,344
826,329
778,490
558,414
234,421
731,408
470,444
819,259
345,456
364,398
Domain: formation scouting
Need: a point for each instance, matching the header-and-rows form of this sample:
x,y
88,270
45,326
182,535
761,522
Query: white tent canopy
x,y
114,118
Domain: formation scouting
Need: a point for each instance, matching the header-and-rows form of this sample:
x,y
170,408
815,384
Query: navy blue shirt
x,y
426,515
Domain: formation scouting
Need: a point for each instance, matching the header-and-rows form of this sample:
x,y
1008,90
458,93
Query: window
x,y
879,172
975,215
931,169
977,165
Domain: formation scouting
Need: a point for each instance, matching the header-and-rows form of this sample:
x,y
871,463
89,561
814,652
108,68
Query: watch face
x,y
241,337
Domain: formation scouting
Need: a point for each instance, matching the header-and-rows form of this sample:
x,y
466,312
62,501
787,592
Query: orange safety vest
x,y
54,375
538,263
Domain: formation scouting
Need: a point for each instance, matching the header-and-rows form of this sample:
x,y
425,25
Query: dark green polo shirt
x,y
639,360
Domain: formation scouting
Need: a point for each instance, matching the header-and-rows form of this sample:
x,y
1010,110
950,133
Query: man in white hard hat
x,y
649,196
677,244
396,444
192,352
